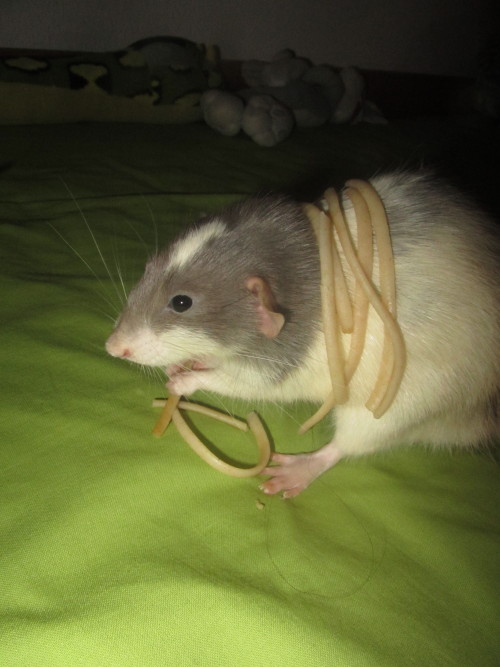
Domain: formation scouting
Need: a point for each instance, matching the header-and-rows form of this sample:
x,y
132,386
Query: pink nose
x,y
116,349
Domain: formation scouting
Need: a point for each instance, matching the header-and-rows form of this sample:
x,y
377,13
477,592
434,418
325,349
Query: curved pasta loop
x,y
339,312
172,412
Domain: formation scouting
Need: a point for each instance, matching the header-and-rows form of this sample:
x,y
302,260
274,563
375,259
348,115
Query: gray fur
x,y
266,236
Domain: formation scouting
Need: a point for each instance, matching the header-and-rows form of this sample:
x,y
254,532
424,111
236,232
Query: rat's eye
x,y
181,303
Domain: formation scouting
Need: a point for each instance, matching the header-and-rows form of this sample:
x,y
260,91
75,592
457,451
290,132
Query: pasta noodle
x,y
172,412
331,329
166,415
361,300
372,227
204,410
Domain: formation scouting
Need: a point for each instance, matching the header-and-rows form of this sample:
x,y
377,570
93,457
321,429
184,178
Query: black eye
x,y
181,303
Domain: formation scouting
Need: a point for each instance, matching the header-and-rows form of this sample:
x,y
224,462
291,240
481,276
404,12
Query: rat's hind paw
x,y
293,473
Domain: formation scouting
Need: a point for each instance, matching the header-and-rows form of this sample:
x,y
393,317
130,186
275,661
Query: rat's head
x,y
205,297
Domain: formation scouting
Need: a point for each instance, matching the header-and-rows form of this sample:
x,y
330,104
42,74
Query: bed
x,y
121,549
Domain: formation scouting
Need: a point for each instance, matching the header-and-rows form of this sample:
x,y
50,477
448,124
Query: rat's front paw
x,y
184,384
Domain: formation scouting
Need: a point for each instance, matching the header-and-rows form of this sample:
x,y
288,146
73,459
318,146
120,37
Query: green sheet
x,y
119,549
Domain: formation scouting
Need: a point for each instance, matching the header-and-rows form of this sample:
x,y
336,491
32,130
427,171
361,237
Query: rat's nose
x,y
116,348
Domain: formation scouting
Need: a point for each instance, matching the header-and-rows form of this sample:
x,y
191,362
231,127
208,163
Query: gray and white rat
x,y
233,307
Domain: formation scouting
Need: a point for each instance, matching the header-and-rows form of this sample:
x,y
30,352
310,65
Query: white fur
x,y
186,248
229,379
178,344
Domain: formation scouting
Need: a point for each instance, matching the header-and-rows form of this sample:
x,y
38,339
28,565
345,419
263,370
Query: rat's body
x,y
239,296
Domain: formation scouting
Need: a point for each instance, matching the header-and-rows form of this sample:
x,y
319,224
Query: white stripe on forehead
x,y
185,249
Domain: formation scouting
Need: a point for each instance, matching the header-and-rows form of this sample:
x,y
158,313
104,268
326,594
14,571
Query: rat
x,y
233,306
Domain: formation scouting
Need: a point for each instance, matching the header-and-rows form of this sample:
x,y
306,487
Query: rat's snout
x,y
116,347
140,346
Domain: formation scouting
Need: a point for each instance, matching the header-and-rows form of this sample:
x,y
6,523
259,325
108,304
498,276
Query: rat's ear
x,y
270,322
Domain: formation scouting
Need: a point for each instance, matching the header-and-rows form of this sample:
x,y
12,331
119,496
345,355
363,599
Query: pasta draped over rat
x,y
341,314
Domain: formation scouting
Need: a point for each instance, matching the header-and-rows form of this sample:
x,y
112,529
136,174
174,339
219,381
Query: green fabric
x,y
120,549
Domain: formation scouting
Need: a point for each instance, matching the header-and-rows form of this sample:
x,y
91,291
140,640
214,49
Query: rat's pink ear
x,y
270,322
